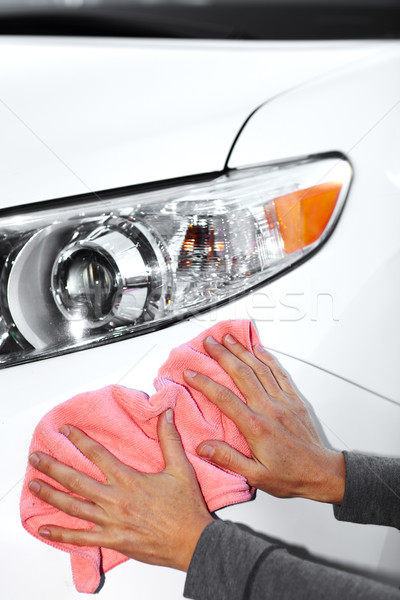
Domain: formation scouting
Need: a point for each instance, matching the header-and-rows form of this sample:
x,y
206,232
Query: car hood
x,y
80,115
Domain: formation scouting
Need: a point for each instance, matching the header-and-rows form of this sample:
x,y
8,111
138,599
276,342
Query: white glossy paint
x,y
356,112
122,112
80,115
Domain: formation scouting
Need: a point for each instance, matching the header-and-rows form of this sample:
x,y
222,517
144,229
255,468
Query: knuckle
x,y
75,509
174,437
276,369
276,392
257,425
45,464
241,353
125,507
66,536
292,394
302,409
262,371
224,457
58,535
278,413
124,477
273,365
243,371
222,395
282,374
95,454
267,358
75,483
45,492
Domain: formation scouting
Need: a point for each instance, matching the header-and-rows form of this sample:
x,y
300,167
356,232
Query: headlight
x,y
89,270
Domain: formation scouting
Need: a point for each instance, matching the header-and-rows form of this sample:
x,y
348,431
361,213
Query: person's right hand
x,y
288,458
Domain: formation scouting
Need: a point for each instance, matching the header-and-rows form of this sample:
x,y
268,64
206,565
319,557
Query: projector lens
x,y
87,285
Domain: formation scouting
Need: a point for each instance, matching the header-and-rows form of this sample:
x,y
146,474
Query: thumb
x,y
225,456
170,442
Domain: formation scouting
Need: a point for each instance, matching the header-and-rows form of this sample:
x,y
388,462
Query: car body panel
x,y
356,112
85,115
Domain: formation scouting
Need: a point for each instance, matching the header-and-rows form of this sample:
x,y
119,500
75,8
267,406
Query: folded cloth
x,y
125,422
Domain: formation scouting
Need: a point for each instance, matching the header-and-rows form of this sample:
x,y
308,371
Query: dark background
x,y
207,19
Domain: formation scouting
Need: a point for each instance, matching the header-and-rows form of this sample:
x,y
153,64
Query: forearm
x,y
372,491
222,562
231,564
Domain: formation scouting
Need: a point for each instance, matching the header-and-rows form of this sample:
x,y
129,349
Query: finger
x,y
281,376
75,507
241,373
77,537
261,370
170,442
226,457
226,400
95,452
72,480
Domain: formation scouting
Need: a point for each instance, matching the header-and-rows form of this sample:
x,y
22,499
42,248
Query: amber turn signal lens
x,y
304,215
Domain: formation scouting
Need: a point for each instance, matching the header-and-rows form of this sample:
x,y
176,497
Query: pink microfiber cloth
x,y
125,422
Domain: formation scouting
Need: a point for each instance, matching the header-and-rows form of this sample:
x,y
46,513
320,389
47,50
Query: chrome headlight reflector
x,y
89,270
108,275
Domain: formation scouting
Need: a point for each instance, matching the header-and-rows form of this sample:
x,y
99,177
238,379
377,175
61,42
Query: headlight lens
x,y
93,269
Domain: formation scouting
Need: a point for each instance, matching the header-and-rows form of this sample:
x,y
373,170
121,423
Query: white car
x,y
245,178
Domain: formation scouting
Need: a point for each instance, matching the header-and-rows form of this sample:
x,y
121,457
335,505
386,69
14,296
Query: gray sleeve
x,y
231,564
372,492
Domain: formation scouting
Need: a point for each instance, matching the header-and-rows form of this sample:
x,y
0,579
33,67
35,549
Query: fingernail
x,y
65,430
44,532
34,459
211,340
190,373
258,348
34,486
170,415
228,338
206,451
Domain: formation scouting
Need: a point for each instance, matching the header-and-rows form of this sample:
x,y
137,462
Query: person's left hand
x,y
288,459
156,518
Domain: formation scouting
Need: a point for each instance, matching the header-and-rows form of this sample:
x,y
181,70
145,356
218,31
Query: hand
x,y
287,457
156,518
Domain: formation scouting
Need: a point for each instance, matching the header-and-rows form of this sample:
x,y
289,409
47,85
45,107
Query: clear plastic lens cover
x,y
101,267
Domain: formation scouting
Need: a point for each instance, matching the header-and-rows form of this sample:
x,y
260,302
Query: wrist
x,y
330,482
189,542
